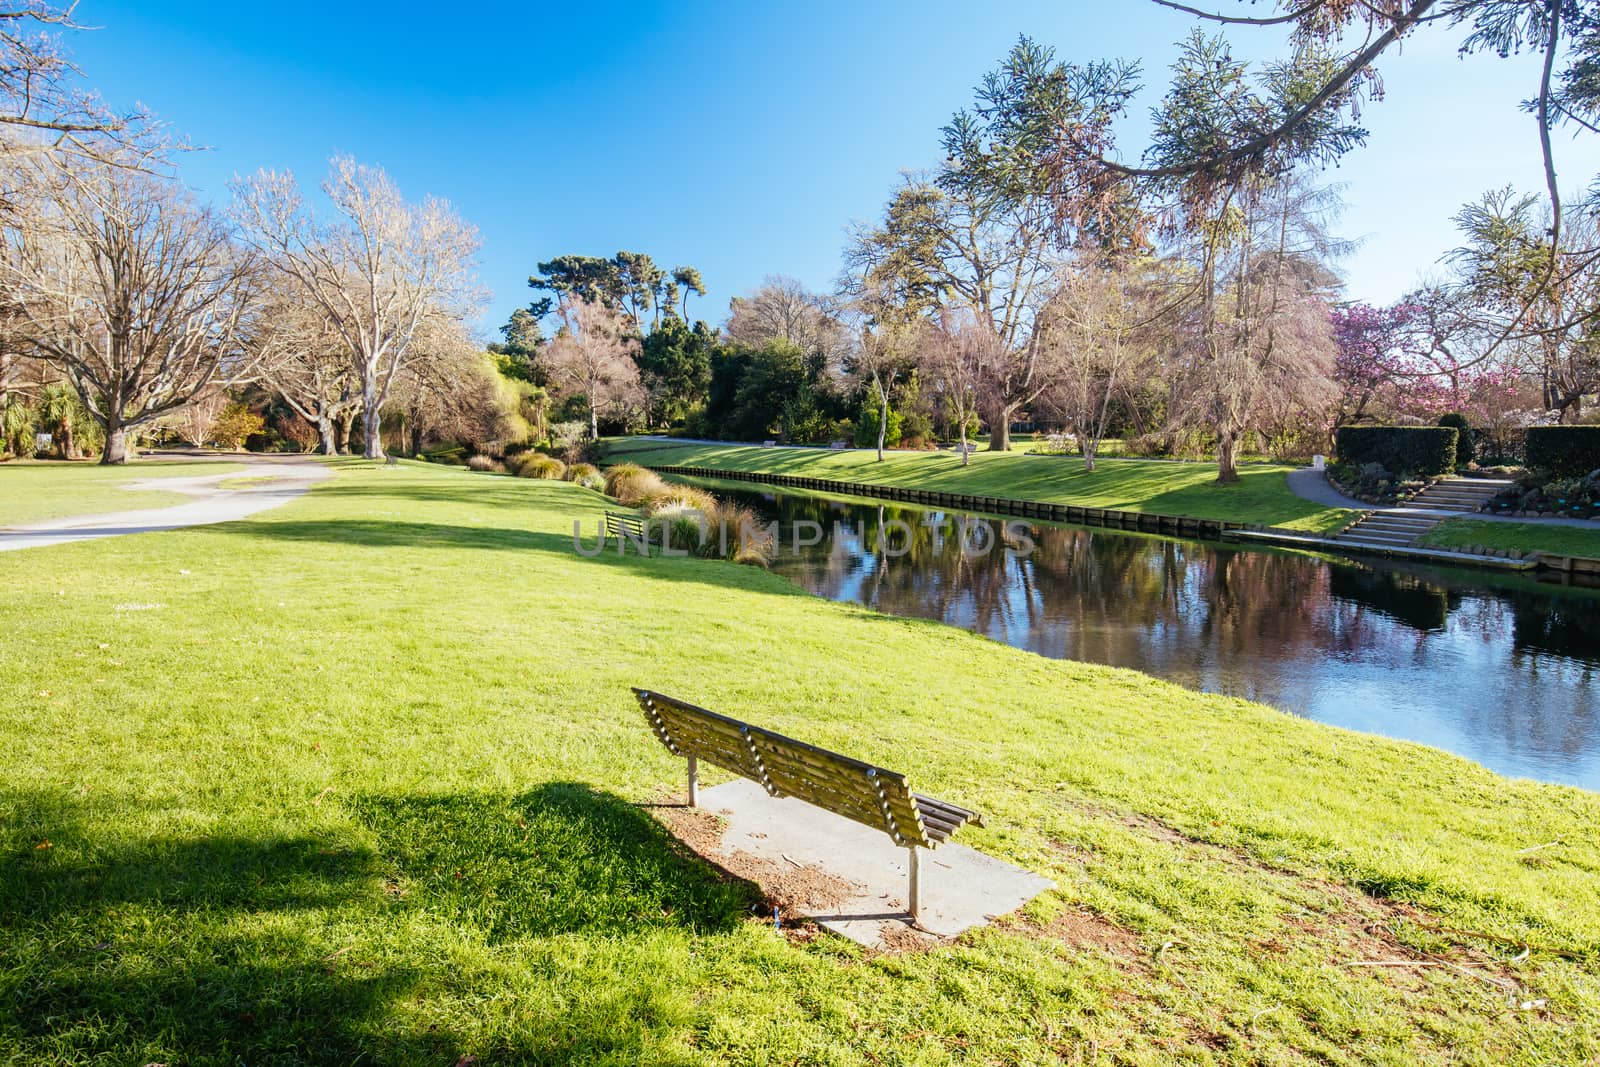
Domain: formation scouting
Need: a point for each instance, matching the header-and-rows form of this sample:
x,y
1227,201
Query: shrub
x,y
577,472
916,424
595,481
1373,483
1295,444
866,432
632,484
1419,451
1538,493
1564,451
539,465
455,455
1148,445
237,424
1465,439
485,464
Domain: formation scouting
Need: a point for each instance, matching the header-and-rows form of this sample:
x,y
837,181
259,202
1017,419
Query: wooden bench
x,y
619,525
872,796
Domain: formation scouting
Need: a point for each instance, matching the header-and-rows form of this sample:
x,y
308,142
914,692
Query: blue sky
x,y
741,138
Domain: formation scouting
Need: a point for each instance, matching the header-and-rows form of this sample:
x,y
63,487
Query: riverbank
x,y
1509,535
361,777
1189,490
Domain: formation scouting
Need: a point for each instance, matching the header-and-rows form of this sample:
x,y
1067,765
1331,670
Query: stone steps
x,y
1461,495
1387,529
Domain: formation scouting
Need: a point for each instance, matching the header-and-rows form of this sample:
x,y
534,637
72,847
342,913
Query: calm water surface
x,y
1503,670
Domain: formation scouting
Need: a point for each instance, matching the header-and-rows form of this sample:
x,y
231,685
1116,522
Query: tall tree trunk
x,y
1088,455
883,419
372,437
1000,428
116,450
1227,456
594,422
329,445
966,454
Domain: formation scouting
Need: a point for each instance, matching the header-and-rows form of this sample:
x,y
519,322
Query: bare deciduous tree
x,y
1098,327
952,356
193,421
450,390
44,109
128,287
593,355
376,273
1260,338
785,310
304,360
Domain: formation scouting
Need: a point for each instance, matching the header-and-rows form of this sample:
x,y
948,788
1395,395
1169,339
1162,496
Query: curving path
x,y
291,476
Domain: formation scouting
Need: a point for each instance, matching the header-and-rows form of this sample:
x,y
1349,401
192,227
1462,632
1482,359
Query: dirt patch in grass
x,y
793,889
1083,928
898,937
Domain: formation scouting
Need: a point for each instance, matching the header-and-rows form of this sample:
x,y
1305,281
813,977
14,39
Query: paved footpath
x,y
291,477
1312,485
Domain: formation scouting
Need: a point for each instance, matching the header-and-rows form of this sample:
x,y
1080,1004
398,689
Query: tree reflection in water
x,y
1499,669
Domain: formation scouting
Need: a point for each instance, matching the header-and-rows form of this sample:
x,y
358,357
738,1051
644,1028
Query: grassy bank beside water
x,y
360,779
1154,486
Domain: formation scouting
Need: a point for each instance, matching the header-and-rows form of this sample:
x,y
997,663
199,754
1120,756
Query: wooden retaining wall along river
x,y
1176,525
1110,518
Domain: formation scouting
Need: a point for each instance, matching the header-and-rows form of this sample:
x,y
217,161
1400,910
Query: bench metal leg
x,y
694,782
914,893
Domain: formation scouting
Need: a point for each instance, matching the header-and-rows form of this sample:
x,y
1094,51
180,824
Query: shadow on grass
x,y
490,490
420,535
288,949
562,858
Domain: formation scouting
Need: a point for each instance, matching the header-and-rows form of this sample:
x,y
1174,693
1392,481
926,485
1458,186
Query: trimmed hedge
x,y
1422,451
1564,451
1464,436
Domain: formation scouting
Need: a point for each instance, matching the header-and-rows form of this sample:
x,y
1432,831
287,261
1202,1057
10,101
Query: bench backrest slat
x,y
783,766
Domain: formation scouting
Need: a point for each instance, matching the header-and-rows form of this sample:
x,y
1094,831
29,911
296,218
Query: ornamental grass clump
x,y
577,472
631,484
680,498
539,465
484,464
739,531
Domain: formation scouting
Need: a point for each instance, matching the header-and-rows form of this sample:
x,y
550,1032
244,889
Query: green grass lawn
x,y
35,491
360,780
1261,496
1518,536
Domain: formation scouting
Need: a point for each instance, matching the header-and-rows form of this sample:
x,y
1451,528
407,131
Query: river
x,y
1502,669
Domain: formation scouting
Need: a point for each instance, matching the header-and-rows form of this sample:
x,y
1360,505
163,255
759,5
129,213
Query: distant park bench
x,y
869,795
838,446
769,444
619,525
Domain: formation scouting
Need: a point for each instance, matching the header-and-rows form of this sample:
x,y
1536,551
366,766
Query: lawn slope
x,y
360,780
1165,488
